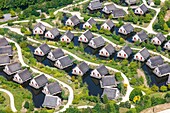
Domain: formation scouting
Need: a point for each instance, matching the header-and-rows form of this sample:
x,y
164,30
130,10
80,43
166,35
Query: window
x,y
141,58
98,75
107,27
101,52
134,38
85,25
119,54
41,53
166,45
51,35
153,40
120,30
79,72
89,26
136,57
158,41
93,73
40,31
32,82
80,38
35,31
71,23
124,55
47,34
37,52
85,39
75,71
62,39
67,40
106,53
141,12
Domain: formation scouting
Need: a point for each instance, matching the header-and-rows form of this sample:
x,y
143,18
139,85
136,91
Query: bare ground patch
x,y
140,73
167,16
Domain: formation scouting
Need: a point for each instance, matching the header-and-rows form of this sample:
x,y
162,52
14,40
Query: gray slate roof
x,y
4,59
99,41
50,101
54,88
130,1
95,4
75,19
118,13
13,67
109,23
110,49
25,75
161,37
45,48
127,50
142,35
91,21
144,8
156,60
65,61
3,42
40,25
164,68
68,34
57,53
110,7
128,27
108,80
110,93
88,35
55,32
102,70
145,53
83,67
6,50
41,80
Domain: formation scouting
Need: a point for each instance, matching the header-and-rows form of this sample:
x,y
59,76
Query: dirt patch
x,y
167,16
140,73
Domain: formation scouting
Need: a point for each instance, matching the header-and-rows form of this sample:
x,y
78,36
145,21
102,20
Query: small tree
x,y
163,88
1,14
26,105
12,12
37,36
157,2
154,88
135,92
71,45
122,41
105,99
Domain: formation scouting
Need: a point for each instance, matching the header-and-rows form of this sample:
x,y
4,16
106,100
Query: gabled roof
x,y
102,70
128,27
156,60
45,48
54,32
3,41
99,41
57,53
68,34
110,93
95,4
91,21
41,80
110,7
65,61
130,1
13,67
144,8
109,23
50,101
6,50
54,88
88,34
161,37
164,68
4,59
75,19
145,53
40,25
83,67
142,35
25,75
110,49
108,80
127,50
118,13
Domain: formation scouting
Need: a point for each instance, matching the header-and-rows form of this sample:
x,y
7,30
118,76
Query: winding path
x,y
12,104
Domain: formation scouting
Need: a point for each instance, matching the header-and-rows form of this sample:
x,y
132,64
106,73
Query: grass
x,y
6,104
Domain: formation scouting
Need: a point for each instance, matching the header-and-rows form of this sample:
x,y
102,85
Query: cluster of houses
x,y
23,75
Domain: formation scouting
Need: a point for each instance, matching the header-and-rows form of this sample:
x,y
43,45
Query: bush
x,y
135,92
118,76
163,88
26,105
154,88
23,29
10,24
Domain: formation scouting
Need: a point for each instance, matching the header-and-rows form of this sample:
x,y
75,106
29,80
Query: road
x,y
12,104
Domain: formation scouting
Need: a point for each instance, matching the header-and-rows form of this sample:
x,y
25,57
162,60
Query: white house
x,y
85,37
107,51
3,42
51,101
80,69
53,33
108,25
67,37
4,60
162,70
158,39
63,62
97,42
12,68
111,93
125,52
108,8
142,55
52,89
55,54
42,50
73,21
167,45
99,72
90,22
39,29
141,10
140,36
154,61
126,29
108,82
95,5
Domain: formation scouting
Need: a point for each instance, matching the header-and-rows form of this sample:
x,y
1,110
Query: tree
x,y
157,2
105,99
163,88
154,88
135,92
166,27
52,16
2,98
37,36
71,45
12,12
118,76
122,41
42,16
1,14
26,105
132,110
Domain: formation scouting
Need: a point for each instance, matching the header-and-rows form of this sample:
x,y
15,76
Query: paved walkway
x,y
12,104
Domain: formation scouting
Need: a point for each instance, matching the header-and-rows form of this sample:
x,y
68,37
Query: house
x,y
86,37
151,2
131,2
108,8
168,81
158,39
53,33
63,62
4,60
126,29
55,54
42,50
22,76
108,82
125,52
107,51
81,69
3,42
141,10
12,68
67,37
111,93
39,29
162,70
95,5
99,72
90,22
140,36
142,55
51,101
38,81
108,25
6,50
118,13
52,89
167,45
155,61
97,42
73,21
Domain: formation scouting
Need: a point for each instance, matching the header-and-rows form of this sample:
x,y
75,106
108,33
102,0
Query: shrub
x,y
135,92
163,88
154,88
26,105
118,76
